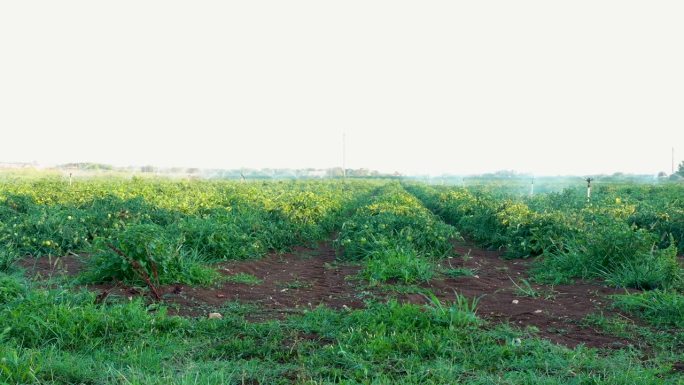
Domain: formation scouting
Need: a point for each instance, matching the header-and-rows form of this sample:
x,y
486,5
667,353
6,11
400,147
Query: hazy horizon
x,y
421,88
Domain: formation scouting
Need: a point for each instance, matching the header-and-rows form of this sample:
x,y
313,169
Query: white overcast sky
x,y
547,87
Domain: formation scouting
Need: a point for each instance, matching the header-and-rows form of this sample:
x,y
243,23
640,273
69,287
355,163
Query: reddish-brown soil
x,y
303,278
48,267
308,277
556,311
290,282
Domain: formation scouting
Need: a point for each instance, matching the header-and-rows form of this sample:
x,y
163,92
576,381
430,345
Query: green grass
x,y
659,307
297,284
456,272
398,264
244,278
11,288
61,338
391,290
661,346
525,289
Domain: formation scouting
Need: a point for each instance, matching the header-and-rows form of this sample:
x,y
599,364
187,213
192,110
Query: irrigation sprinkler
x,y
589,179
532,187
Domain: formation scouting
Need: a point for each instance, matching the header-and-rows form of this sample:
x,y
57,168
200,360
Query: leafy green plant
x,y
394,218
402,265
145,253
623,256
7,258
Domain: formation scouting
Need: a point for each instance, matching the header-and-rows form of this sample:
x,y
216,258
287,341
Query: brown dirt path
x,y
308,277
51,266
303,278
557,312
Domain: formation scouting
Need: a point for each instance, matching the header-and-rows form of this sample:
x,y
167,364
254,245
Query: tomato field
x,y
358,281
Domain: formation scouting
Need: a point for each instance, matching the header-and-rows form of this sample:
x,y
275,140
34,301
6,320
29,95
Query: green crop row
x,y
593,240
396,236
656,208
170,229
